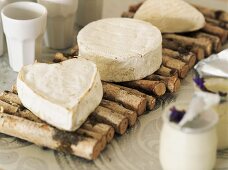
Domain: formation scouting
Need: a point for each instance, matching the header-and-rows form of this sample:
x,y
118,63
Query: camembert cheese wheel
x,y
123,49
171,16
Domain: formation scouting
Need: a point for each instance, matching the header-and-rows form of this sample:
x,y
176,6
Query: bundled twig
x,y
43,134
121,104
179,65
215,30
190,42
101,128
165,71
189,58
183,48
172,83
217,44
151,87
118,121
131,115
150,100
217,23
215,14
128,100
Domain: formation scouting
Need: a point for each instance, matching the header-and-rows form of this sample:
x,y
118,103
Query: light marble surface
x,y
137,149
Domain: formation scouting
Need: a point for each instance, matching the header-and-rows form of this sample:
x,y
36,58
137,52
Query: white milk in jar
x,y
192,147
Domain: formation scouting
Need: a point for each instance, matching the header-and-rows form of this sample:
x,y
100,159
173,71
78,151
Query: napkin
x,y
200,103
214,66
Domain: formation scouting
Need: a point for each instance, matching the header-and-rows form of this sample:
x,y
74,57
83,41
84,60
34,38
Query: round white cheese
x,y
61,94
123,49
171,16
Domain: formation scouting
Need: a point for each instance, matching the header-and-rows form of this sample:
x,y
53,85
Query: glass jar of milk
x,y
192,147
88,11
217,85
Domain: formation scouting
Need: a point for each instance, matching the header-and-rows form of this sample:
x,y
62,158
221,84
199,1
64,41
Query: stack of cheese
x,y
65,94
117,49
123,49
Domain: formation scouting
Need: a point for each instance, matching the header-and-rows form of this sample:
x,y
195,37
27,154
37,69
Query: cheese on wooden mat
x,y
123,49
62,94
171,15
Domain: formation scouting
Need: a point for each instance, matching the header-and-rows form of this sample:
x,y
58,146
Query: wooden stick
x,y
135,7
218,23
128,100
188,41
84,132
24,113
10,97
44,135
206,11
59,57
127,15
183,48
165,71
151,87
1,109
15,107
112,118
30,116
14,89
221,15
75,51
101,128
131,115
188,58
172,83
181,67
27,114
217,44
171,53
8,108
216,14
19,111
199,52
214,30
95,135
151,101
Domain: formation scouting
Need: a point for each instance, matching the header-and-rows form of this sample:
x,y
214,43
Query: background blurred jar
x,y
219,85
88,11
60,23
188,150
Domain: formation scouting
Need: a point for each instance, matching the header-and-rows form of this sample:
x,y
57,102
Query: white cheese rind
x,y
123,49
171,16
62,94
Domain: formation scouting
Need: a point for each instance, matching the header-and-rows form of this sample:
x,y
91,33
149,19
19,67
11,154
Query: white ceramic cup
x,y
60,25
24,25
221,109
181,150
3,3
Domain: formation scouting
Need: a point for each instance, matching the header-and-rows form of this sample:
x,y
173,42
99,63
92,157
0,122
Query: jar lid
x,y
213,66
201,123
